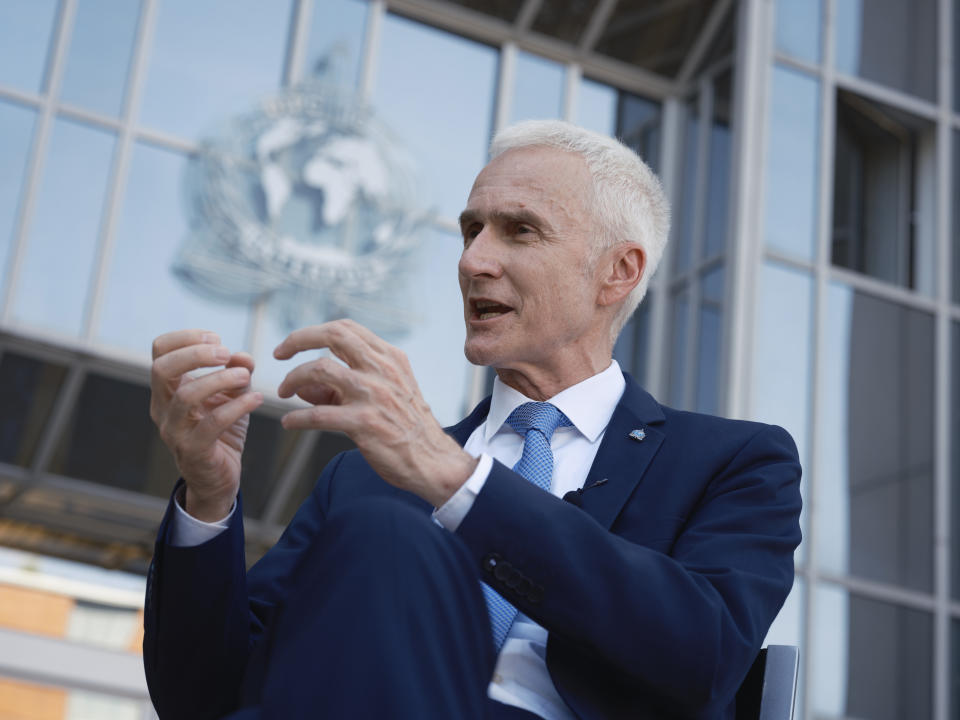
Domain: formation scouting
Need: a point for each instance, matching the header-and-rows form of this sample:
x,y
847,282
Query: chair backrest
x,y
770,689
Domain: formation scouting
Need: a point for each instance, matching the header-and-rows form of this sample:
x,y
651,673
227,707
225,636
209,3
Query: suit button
x,y
503,570
524,587
514,580
490,562
536,594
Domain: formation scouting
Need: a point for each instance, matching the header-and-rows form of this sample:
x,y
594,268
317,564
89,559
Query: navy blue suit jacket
x,y
657,592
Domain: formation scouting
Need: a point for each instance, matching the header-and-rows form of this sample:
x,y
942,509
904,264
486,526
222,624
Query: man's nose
x,y
480,256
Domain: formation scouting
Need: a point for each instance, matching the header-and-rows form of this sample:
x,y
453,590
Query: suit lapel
x,y
621,459
461,431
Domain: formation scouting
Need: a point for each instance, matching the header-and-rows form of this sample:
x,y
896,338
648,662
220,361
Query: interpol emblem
x,y
307,201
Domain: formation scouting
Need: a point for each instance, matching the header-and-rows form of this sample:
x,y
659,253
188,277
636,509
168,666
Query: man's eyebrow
x,y
519,215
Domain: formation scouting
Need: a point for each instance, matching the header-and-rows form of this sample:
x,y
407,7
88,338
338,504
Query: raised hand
x,y
203,420
376,401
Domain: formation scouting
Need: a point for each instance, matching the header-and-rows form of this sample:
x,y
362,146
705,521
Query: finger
x,y
320,417
193,394
182,338
223,418
324,371
241,359
348,340
320,395
174,364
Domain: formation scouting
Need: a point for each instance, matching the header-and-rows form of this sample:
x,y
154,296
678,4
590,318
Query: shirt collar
x,y
589,404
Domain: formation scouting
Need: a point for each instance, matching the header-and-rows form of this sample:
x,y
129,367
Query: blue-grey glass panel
x,y
143,297
266,452
335,43
955,462
798,28
790,192
686,222
537,88
631,350
419,310
872,659
718,191
597,107
678,350
16,134
956,212
100,51
875,429
890,42
708,359
884,193
26,28
58,261
638,127
212,60
436,91
28,389
782,359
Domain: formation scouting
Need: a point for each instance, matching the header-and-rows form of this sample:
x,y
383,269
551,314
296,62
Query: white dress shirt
x,y
521,677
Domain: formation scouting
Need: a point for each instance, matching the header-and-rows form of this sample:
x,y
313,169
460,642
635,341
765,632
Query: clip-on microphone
x,y
574,497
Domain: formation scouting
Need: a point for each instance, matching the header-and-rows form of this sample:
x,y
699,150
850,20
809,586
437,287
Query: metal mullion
x,y
23,98
882,289
942,379
287,480
118,172
38,153
788,260
297,41
86,116
371,48
702,44
797,64
700,189
819,334
888,96
59,415
571,95
673,119
882,592
596,25
528,12
166,141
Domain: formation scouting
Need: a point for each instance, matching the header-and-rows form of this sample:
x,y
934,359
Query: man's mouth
x,y
489,309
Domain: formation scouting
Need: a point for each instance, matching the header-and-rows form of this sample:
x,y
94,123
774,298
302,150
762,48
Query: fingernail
x,y
238,373
222,353
210,338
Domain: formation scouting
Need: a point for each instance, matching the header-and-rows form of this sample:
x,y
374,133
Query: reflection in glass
x,y
153,224
59,256
638,127
99,56
440,111
798,28
16,133
26,28
537,88
875,429
28,389
110,440
336,40
211,60
790,191
884,193
597,107
955,460
890,42
872,659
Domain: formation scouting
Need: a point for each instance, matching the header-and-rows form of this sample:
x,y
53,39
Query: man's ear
x,y
623,267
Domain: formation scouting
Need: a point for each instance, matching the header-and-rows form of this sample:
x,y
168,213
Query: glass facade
x,y
812,280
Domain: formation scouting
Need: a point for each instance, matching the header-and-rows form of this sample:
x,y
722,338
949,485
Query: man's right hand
x,y
203,420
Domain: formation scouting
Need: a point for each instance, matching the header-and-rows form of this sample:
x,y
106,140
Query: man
x,y
647,594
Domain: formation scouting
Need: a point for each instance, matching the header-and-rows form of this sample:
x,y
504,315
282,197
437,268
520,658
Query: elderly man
x,y
440,573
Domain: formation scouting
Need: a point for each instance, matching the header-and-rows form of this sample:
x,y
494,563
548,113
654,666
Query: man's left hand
x,y
376,401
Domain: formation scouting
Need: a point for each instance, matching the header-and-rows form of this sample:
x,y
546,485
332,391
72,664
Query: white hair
x,y
629,204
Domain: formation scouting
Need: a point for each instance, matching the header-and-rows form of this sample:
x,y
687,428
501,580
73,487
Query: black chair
x,y
769,691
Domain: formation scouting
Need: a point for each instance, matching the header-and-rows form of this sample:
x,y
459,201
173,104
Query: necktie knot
x,y
541,416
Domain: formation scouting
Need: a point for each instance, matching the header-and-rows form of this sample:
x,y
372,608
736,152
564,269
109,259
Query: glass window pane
x,y
875,429
781,368
100,50
718,177
872,659
956,213
890,42
143,296
685,221
436,91
678,350
211,60
955,462
266,451
16,135
884,193
58,261
790,191
26,28
708,359
631,350
955,667
110,440
597,107
638,127
28,389
537,88
798,28
336,40
328,446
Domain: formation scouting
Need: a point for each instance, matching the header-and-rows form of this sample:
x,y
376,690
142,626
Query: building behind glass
x,y
173,163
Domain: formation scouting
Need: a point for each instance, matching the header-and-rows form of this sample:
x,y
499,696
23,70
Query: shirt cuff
x,y
454,510
187,531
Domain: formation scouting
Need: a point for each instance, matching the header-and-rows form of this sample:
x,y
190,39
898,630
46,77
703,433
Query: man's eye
x,y
521,229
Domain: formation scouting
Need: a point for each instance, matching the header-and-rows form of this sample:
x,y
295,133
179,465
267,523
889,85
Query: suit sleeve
x,y
205,614
684,624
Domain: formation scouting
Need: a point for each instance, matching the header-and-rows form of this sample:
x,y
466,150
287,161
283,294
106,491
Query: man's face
x,y
529,291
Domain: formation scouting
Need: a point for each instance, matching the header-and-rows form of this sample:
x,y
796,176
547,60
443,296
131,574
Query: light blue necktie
x,y
536,421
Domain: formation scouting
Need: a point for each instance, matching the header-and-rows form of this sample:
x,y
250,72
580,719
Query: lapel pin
x,y
639,435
